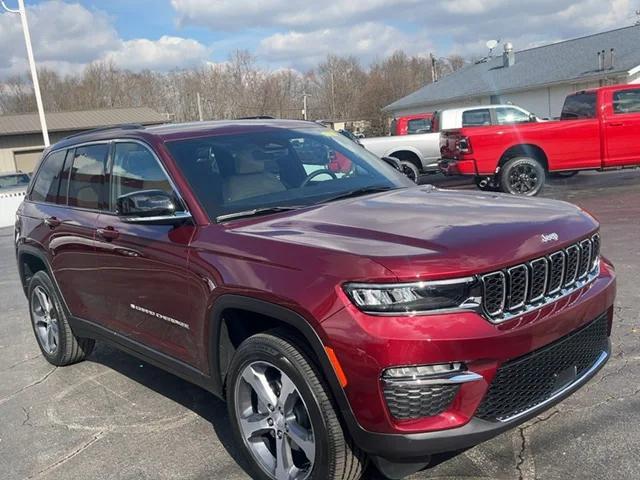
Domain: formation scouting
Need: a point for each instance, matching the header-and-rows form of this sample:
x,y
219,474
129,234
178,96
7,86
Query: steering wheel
x,y
313,175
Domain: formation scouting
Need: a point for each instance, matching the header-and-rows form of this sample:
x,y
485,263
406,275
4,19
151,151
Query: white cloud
x,y
163,54
365,41
298,14
68,36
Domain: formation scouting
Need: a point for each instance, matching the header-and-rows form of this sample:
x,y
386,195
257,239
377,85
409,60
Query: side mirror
x,y
393,162
149,206
532,118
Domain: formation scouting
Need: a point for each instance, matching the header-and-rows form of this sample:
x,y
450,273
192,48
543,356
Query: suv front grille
x,y
542,280
527,381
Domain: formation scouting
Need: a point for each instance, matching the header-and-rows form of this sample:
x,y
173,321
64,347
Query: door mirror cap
x,y
393,162
149,206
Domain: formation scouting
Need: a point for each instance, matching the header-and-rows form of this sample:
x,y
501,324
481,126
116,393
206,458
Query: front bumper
x,y
416,446
367,345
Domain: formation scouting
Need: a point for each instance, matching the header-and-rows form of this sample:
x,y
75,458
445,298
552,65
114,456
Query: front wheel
x,y
282,415
522,176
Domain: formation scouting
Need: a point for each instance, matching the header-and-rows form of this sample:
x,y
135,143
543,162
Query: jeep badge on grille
x,y
549,237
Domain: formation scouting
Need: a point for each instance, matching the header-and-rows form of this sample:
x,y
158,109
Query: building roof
x,y
79,120
569,60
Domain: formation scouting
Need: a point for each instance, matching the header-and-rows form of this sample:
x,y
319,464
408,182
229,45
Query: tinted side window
x,y
46,187
580,105
418,125
626,101
511,115
476,117
86,183
134,169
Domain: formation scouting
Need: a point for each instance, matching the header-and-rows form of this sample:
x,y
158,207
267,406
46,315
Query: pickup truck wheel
x,y
57,342
522,176
410,170
282,415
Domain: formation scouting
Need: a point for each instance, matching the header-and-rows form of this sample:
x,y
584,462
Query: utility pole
x,y
304,105
32,65
434,71
199,100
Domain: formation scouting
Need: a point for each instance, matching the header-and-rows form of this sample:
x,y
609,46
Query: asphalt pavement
x,y
114,417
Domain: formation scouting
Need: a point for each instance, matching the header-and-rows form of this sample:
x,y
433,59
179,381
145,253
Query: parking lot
x,y
116,417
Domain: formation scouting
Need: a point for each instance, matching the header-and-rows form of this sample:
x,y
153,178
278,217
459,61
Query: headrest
x,y
246,163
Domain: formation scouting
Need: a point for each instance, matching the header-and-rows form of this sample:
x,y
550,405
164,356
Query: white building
x,y
537,79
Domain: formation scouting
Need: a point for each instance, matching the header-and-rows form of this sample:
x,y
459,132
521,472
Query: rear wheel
x,y
410,170
51,327
282,415
522,176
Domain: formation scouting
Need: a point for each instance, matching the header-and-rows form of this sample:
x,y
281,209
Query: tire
x,y
569,174
50,324
522,176
278,357
410,170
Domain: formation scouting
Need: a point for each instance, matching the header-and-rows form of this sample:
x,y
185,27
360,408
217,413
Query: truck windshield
x,y
277,168
579,105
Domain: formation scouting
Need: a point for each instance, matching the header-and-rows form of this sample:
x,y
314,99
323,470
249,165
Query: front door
x,y
622,128
144,268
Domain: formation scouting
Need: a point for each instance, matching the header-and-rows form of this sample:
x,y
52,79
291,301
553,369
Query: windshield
x,y
12,181
278,167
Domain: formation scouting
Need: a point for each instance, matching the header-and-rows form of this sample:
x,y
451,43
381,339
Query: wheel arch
x,y
407,153
30,261
221,341
525,150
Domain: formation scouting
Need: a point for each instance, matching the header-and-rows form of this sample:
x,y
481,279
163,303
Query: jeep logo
x,y
549,237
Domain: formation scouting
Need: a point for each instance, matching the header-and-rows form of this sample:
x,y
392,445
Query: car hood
x,y
429,233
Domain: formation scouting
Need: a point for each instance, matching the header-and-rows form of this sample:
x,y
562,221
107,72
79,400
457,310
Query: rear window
x,y
579,105
86,183
626,101
418,125
474,118
46,187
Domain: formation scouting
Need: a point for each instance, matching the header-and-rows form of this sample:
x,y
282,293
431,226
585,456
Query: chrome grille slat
x,y
527,286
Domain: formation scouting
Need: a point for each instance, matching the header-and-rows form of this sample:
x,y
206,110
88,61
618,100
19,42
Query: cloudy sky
x,y
167,34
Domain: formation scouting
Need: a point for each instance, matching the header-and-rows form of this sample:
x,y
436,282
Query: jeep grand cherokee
x,y
346,316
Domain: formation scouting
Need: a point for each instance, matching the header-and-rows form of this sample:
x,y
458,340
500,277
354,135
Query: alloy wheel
x,y
274,422
45,320
523,178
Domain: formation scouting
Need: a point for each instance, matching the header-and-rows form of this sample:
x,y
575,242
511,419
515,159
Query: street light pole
x,y
32,65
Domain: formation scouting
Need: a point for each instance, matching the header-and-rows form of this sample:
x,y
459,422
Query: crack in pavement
x,y
26,387
68,457
521,459
27,417
20,363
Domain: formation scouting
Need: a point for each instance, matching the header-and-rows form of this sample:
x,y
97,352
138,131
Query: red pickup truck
x,y
599,129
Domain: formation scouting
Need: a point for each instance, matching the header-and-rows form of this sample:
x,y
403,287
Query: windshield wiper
x,y
254,211
359,191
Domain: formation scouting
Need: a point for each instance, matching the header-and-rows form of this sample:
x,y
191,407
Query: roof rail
x,y
122,126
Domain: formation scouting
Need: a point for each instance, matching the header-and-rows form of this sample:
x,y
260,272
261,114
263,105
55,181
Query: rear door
x,y
62,209
146,282
622,127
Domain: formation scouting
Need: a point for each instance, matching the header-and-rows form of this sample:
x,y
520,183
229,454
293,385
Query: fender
x,y
285,315
391,151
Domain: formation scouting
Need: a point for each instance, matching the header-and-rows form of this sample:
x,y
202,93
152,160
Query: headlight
x,y
419,297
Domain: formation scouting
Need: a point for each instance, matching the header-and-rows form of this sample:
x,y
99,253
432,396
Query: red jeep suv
x,y
346,316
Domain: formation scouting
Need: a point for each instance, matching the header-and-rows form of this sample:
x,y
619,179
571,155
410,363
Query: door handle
x,y
616,124
52,222
108,233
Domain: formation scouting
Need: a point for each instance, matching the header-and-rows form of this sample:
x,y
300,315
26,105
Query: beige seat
x,y
249,178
